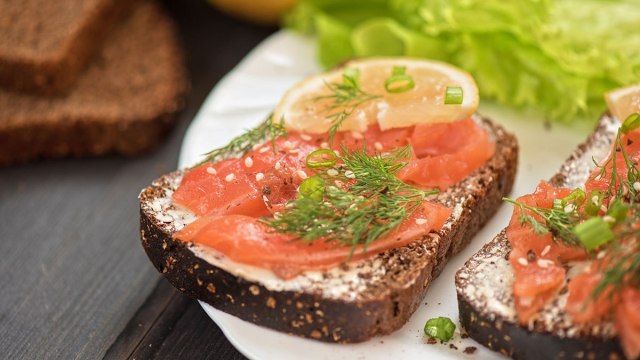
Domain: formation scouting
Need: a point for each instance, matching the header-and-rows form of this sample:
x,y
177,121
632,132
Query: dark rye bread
x,y
484,287
124,102
45,44
351,303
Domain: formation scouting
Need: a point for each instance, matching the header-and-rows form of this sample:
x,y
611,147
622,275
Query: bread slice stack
x,y
86,77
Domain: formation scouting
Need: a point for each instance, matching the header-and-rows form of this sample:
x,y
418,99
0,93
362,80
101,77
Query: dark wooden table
x,y
75,282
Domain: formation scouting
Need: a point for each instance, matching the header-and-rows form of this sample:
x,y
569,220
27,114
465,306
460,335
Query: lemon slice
x,y
311,106
624,101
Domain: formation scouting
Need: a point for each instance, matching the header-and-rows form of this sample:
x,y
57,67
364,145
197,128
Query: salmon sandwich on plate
x,y
568,264
331,218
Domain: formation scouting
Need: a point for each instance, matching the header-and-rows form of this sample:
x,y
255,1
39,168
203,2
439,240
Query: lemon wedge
x,y
624,101
394,92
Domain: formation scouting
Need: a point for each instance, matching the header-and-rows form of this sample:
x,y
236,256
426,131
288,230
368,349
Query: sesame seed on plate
x,y
259,176
350,174
324,145
211,170
263,150
305,137
294,151
332,172
248,162
357,135
522,261
378,146
636,186
421,221
230,177
609,219
277,166
302,174
569,208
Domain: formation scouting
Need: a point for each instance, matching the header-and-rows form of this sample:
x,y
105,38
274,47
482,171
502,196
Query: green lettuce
x,y
556,56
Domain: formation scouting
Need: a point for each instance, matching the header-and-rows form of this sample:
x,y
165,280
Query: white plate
x,y
247,95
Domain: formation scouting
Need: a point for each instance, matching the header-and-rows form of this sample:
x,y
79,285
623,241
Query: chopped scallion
x,y
321,158
312,188
399,81
632,122
453,95
593,233
618,210
576,197
594,202
441,328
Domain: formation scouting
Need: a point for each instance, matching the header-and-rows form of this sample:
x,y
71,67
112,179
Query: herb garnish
x,y
371,202
621,187
243,143
557,221
621,206
345,97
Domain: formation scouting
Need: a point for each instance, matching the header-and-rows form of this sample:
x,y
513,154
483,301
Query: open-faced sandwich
x,y
562,281
330,219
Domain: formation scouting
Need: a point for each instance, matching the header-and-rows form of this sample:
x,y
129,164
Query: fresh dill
x,y
623,271
344,99
557,221
620,266
619,186
368,203
245,142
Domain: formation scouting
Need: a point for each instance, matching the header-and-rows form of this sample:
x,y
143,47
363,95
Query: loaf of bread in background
x,y
45,45
125,101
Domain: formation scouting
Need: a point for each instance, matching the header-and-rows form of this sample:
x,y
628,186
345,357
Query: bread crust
x,y
555,338
386,303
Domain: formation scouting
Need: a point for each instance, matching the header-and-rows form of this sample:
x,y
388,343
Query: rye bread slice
x,y
351,303
124,102
45,44
484,287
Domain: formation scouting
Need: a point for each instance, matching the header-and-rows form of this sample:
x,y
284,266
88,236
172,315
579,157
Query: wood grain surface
x,y
75,282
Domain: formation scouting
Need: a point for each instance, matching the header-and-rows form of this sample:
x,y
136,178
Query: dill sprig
x,y
622,271
371,203
557,221
245,142
345,98
620,187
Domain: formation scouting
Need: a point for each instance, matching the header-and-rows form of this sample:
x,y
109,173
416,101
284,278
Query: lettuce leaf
x,y
556,56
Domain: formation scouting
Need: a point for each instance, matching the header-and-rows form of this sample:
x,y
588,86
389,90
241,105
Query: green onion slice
x,y
576,197
453,95
321,158
350,77
399,81
593,233
594,202
618,210
312,188
631,123
441,328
